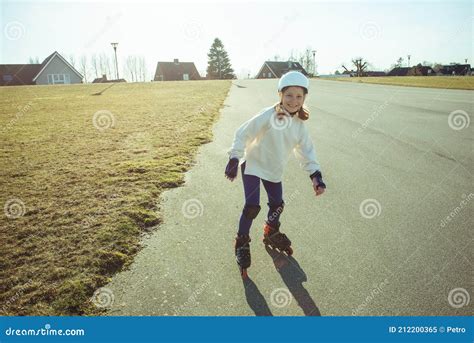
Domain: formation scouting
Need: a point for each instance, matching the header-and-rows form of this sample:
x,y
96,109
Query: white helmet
x,y
293,78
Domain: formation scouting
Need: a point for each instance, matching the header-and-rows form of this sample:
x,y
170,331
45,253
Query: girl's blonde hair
x,y
303,113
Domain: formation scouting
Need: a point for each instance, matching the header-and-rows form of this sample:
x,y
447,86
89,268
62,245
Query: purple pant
x,y
252,197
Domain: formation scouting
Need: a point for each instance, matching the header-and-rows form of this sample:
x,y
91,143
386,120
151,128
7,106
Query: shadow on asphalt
x,y
103,90
255,299
293,276
238,86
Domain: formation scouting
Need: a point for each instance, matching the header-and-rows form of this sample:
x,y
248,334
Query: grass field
x,y
447,82
81,179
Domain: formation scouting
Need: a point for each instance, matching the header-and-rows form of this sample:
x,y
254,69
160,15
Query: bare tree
x,y
131,68
128,74
95,65
142,68
347,70
104,65
139,71
399,62
360,65
83,67
306,60
72,60
292,57
108,71
34,60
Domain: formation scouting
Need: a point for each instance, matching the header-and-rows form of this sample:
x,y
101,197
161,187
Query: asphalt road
x,y
378,242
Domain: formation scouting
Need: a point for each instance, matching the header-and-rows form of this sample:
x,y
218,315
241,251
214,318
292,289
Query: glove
x,y
232,168
319,177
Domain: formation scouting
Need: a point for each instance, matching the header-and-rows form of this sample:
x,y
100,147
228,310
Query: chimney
x,y
176,61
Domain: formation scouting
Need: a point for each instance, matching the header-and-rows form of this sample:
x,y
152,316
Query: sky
x,y
251,31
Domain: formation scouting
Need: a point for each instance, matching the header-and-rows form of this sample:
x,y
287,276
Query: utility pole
x,y
114,45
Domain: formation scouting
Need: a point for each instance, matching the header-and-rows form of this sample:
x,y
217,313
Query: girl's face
x,y
292,98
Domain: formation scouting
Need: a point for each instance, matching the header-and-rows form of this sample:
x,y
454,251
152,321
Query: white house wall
x,y
57,66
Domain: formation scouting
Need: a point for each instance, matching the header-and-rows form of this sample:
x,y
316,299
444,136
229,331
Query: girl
x,y
267,140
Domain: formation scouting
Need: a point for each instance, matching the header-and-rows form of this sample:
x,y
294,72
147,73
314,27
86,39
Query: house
x,y
274,69
103,79
374,73
418,70
399,71
421,70
176,70
456,69
53,70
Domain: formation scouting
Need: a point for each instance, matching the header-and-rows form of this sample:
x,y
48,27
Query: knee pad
x,y
276,209
251,211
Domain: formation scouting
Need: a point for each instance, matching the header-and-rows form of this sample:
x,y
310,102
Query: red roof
x,y
18,74
168,71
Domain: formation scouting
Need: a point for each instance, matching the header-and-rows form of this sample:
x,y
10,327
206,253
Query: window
x,y
58,78
55,79
269,75
186,77
7,77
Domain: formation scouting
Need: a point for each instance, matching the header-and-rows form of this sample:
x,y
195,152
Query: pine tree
x,y
218,65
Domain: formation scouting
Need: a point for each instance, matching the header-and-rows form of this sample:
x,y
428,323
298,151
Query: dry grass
x,y
89,194
447,82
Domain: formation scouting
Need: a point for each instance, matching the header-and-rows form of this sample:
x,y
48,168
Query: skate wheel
x,y
289,251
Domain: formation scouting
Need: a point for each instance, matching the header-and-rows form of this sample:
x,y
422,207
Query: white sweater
x,y
266,141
